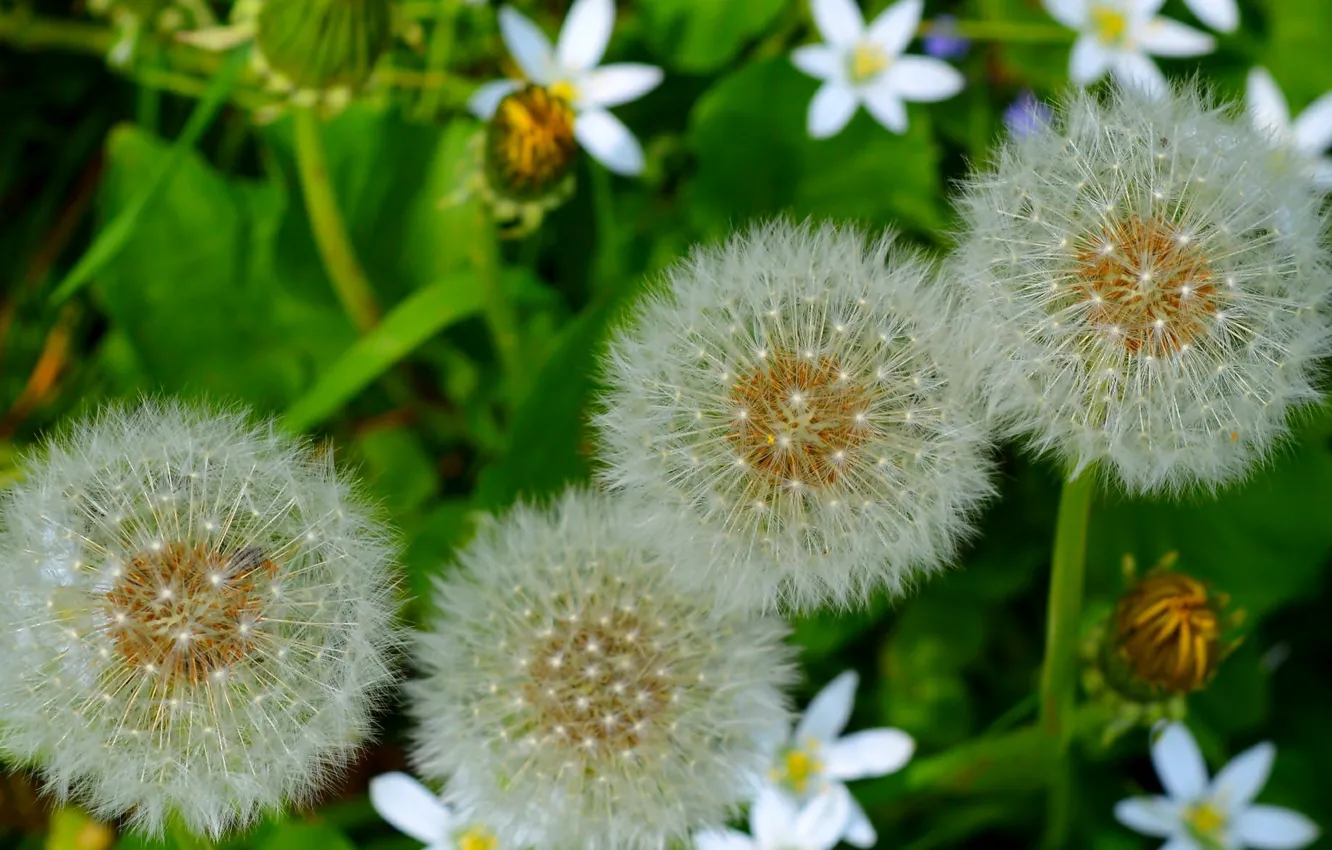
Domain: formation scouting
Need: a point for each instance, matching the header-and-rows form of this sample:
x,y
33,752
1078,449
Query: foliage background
x,y
219,292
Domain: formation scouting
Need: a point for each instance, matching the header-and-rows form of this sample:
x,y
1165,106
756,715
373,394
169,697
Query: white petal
x,y
723,839
1136,70
410,807
822,821
839,21
1088,62
818,60
1240,781
613,85
1179,763
1070,13
1274,828
485,100
886,105
874,752
859,831
829,111
1322,175
1164,37
828,712
1265,102
895,26
921,78
1181,842
585,34
1313,129
609,141
1155,816
772,817
1220,15
1142,10
528,45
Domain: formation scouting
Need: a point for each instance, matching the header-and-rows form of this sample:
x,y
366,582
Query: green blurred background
x,y
217,290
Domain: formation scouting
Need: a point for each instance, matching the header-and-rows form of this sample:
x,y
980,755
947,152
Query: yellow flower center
x,y
867,60
1109,24
564,90
477,838
798,768
530,143
1205,822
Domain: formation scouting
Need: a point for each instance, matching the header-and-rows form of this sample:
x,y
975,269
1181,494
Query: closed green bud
x,y
324,44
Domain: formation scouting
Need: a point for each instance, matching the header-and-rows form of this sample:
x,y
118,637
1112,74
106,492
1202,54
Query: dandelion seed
x,y
577,696
151,668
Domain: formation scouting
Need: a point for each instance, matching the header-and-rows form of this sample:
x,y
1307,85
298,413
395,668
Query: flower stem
x,y
1012,32
330,231
185,838
437,60
1063,621
499,315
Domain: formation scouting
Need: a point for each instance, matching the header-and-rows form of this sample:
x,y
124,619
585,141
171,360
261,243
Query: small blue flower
x,y
1026,115
942,41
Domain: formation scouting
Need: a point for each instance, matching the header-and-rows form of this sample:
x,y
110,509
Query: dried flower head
x,y
578,696
793,391
1145,284
197,618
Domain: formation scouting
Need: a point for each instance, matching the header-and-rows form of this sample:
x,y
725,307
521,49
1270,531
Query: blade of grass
x,y
419,317
115,234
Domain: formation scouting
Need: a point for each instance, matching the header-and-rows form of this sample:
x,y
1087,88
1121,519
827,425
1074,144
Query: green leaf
x,y
1265,541
195,290
299,835
417,318
698,37
864,173
1296,49
116,234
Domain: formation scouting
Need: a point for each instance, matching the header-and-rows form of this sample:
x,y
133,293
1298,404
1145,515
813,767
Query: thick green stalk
x,y
330,231
500,318
1063,625
437,59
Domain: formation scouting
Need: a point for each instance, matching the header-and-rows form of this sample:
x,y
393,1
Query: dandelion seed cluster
x,y
795,391
198,617
1150,285
579,696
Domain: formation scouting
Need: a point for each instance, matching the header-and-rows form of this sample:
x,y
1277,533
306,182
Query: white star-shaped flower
x,y
816,760
1216,815
1118,35
1220,15
862,64
569,70
415,810
778,822
1310,134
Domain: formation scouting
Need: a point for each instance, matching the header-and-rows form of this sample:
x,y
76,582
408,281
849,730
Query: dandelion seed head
x,y
176,642
839,453
575,694
1148,286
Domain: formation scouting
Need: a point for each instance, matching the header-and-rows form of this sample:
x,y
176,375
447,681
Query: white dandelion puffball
x,y
793,390
1149,279
197,617
575,695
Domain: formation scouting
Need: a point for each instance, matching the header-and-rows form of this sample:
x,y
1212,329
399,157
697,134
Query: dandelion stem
x,y
498,312
437,60
1063,620
608,246
330,231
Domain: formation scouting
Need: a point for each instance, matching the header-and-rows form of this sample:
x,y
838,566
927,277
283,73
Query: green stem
x,y
500,318
607,265
184,837
330,231
1063,624
437,60
1012,32
26,31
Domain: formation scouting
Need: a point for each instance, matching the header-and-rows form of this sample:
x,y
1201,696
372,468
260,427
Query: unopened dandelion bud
x,y
530,147
324,44
575,694
197,617
1146,287
794,392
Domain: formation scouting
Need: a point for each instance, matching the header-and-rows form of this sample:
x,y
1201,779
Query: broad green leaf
x,y
117,233
1296,48
301,835
698,37
417,318
864,173
195,290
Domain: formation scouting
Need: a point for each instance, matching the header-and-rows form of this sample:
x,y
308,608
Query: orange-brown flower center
x,y
598,684
530,143
185,612
1168,631
798,419
1146,284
